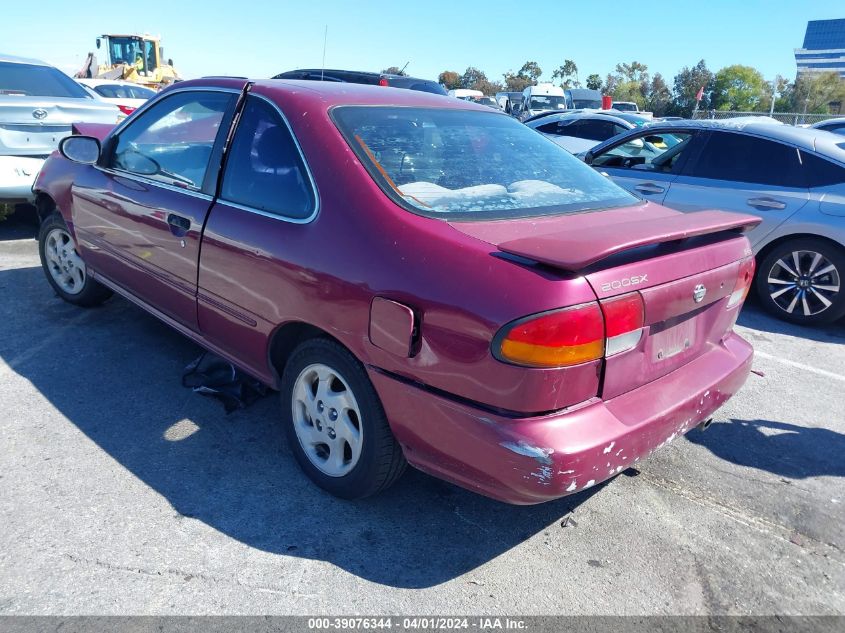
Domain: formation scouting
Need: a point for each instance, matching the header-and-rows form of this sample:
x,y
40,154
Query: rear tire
x,y
64,268
335,424
801,281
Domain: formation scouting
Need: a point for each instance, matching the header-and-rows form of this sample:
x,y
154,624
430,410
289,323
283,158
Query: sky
x,y
260,39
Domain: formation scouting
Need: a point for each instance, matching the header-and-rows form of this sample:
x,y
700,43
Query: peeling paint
x,y
609,447
572,486
565,472
542,455
590,483
543,474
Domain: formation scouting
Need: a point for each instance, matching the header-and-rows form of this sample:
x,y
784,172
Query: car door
x,y
266,204
740,172
647,163
139,213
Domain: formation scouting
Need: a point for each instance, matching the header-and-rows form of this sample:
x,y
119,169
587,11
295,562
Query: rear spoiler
x,y
575,250
97,130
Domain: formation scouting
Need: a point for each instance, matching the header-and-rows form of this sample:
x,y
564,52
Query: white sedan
x,y
127,96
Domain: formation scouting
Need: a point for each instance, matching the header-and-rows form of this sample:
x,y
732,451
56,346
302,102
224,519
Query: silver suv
x,y
38,104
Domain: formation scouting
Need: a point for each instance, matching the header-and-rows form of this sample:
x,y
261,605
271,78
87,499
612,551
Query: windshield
x,y
546,102
463,164
586,104
122,91
625,107
133,51
30,80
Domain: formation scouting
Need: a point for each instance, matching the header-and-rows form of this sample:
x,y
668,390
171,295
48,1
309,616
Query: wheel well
x,y
794,236
44,206
286,338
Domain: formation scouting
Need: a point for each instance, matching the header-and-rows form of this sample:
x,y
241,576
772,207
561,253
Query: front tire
x,y
64,268
801,281
335,424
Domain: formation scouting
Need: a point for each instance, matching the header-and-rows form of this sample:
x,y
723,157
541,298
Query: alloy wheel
x,y
65,265
327,420
803,282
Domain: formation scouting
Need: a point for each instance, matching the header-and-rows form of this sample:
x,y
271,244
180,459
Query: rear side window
x,y
467,164
820,172
264,169
743,158
29,80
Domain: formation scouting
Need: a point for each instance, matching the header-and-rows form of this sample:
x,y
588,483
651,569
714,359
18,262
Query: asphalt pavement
x,y
121,492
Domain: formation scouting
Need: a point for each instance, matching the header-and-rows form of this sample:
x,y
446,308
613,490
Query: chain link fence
x,y
792,118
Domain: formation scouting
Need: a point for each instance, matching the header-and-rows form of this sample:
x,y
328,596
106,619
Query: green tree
x,y
685,87
658,97
449,79
473,78
635,72
568,74
594,82
515,83
822,93
530,70
629,83
740,88
393,70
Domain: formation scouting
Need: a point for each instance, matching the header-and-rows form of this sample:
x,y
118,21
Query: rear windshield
x,y
121,91
472,165
29,80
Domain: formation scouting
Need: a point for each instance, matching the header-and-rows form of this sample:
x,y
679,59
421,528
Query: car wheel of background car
x,y
335,423
63,266
801,281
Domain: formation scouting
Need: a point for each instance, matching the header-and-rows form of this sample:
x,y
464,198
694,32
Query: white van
x,y
465,93
542,98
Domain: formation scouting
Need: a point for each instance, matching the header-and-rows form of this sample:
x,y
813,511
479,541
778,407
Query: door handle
x,y
649,187
178,224
766,203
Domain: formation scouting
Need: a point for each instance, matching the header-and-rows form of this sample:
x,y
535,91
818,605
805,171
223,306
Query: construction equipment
x,y
135,58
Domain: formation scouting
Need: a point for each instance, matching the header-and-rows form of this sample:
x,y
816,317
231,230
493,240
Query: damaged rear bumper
x,y
536,459
17,173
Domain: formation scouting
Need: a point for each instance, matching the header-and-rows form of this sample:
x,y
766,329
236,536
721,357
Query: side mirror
x,y
653,139
98,42
637,142
80,149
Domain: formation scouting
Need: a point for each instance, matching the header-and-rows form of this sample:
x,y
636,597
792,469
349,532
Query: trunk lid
x,y
666,256
33,126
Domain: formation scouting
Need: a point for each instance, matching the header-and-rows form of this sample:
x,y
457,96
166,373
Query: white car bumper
x,y
17,173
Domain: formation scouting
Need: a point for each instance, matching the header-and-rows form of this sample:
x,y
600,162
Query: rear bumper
x,y
531,460
17,173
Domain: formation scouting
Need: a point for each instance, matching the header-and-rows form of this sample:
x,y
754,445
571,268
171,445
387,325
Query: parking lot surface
x,y
121,492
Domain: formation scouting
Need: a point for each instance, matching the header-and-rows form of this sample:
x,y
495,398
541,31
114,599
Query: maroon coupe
x,y
423,279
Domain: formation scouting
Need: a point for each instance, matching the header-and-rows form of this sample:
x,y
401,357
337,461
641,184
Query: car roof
x,y
21,60
809,139
834,120
327,94
109,82
584,114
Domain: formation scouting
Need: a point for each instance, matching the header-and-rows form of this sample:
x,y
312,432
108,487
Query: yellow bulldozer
x,y
135,58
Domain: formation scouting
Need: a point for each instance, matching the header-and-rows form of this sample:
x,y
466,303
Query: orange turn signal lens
x,y
554,339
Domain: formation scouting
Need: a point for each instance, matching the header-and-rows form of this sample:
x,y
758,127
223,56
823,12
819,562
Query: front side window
x,y
30,80
172,141
264,169
661,152
743,158
461,164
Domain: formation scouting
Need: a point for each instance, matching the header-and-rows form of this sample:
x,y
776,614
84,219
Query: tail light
x,y
743,283
127,110
553,339
623,319
573,335
383,82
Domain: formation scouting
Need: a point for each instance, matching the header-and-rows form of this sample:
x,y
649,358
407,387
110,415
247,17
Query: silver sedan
x,y
793,178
